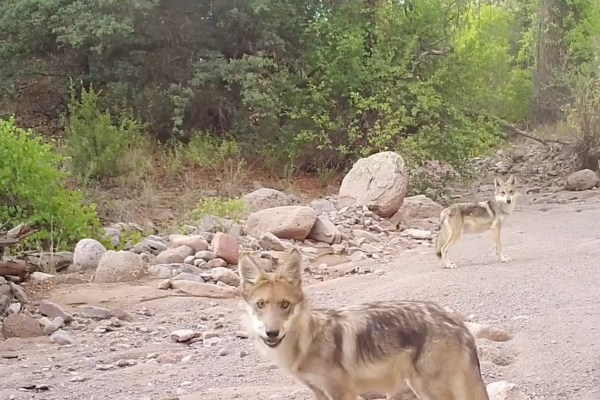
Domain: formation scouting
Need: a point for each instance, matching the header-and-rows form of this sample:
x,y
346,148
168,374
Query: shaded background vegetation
x,y
291,86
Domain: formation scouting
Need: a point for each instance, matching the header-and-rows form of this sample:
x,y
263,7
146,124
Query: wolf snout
x,y
272,334
508,201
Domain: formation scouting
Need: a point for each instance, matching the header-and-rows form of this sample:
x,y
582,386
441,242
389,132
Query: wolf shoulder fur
x,y
477,217
385,347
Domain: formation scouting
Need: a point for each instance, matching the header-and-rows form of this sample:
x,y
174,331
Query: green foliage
x,y
219,207
97,147
32,190
296,85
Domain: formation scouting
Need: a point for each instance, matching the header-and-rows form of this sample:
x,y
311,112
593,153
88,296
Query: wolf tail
x,y
443,234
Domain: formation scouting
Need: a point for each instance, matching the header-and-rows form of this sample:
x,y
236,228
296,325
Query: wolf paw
x,y
449,265
505,259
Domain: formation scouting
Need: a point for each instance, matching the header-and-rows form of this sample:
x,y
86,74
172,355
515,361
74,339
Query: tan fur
x,y
378,347
477,218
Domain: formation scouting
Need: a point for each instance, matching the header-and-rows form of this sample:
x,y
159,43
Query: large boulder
x,y
378,182
265,198
21,326
287,222
119,266
87,254
582,180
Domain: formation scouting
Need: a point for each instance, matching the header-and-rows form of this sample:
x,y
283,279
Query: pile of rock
x,y
536,165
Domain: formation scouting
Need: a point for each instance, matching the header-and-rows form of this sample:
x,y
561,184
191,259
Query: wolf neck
x,y
502,208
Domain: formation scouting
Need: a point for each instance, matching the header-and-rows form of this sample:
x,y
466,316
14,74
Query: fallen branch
x,y
514,129
17,268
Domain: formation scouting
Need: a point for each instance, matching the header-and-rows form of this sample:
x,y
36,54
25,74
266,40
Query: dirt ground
x,y
548,297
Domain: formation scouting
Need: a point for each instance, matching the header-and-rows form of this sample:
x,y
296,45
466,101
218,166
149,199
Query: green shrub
x,y
31,190
218,207
97,147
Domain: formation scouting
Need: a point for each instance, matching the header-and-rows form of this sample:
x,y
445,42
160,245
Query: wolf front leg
x,y
496,232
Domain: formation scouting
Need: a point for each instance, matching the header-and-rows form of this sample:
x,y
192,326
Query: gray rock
x,y
119,266
94,312
174,255
18,292
268,241
87,254
378,182
14,308
206,255
187,277
62,338
582,180
227,276
288,222
51,326
53,310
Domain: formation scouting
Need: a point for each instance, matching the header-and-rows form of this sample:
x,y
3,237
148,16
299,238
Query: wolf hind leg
x,y
450,233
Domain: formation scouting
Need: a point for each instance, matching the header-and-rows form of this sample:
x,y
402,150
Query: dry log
x,y
19,268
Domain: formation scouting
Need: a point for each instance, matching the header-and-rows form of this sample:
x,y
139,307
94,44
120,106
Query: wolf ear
x,y
250,272
497,182
291,268
511,180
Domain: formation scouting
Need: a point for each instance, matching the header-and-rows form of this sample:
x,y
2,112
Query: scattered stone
x,y
174,254
287,222
420,207
195,242
121,315
87,254
189,260
51,326
225,275
325,231
164,284
418,234
39,277
18,292
186,276
584,179
184,335
503,390
358,256
378,182
97,313
268,241
21,326
53,310
480,331
225,246
204,289
119,266
216,263
14,308
205,255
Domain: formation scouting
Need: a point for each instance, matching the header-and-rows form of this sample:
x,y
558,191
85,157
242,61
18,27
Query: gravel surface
x,y
548,297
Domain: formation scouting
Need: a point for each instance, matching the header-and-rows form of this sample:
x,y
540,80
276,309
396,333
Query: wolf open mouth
x,y
273,342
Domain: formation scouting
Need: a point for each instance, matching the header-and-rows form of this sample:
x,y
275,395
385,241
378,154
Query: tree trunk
x,y
550,92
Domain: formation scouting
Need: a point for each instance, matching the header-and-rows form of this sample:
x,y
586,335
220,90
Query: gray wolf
x,y
477,217
384,347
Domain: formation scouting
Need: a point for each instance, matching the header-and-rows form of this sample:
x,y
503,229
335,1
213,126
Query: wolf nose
x,y
508,201
272,334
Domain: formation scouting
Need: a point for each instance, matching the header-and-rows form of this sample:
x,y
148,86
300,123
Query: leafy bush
x,y
31,190
98,148
218,207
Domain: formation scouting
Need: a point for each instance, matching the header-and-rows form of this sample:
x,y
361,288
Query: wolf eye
x,y
260,304
511,192
285,304
502,193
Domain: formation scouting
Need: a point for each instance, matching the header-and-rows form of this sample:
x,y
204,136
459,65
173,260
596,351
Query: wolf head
x,y
505,191
273,300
